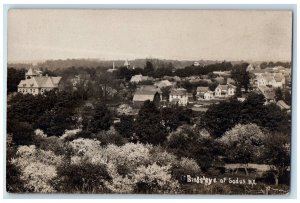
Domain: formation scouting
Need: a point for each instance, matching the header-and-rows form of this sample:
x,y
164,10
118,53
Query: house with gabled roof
x,y
179,96
283,106
204,93
271,79
268,93
279,80
146,92
225,90
35,83
139,78
163,83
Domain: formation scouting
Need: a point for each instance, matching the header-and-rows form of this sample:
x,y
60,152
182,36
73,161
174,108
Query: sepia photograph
x,y
116,101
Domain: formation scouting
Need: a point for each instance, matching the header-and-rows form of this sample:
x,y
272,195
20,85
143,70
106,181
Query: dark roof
x,y
202,89
178,91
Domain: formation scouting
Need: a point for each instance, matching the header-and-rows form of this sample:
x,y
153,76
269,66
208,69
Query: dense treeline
x,y
271,64
221,117
52,112
14,76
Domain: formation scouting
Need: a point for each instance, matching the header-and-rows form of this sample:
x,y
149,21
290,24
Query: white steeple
x,y
127,64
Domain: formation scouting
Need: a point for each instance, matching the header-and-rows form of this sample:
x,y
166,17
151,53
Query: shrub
x,y
110,136
22,133
82,178
154,179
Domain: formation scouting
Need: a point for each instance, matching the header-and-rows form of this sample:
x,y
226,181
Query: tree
x,y
82,85
14,77
83,178
126,126
287,97
181,141
166,92
277,152
149,128
221,117
274,119
38,168
238,92
124,73
149,69
186,142
252,109
175,116
22,132
213,86
54,122
154,179
101,120
241,76
243,143
278,94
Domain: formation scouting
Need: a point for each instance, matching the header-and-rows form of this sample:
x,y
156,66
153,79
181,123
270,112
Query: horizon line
x,y
145,58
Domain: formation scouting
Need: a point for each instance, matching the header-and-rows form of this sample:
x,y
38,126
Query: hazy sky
x,y
119,34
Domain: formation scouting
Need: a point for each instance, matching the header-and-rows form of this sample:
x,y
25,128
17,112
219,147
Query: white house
x,y
225,90
250,67
274,80
179,96
263,80
163,83
280,80
138,78
196,63
35,83
204,93
209,95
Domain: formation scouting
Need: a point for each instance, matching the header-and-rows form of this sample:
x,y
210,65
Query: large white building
x,y
35,83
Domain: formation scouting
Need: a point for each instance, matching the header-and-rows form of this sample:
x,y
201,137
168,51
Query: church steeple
x,y
127,64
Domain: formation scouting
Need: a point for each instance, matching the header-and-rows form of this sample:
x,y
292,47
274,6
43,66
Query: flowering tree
x,y
154,179
85,150
130,155
124,109
38,168
243,143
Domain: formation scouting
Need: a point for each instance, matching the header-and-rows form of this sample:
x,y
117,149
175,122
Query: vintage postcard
x,y
149,101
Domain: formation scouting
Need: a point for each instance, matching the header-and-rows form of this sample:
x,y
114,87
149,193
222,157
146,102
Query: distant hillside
x,y
95,63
